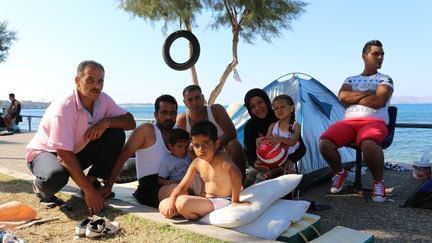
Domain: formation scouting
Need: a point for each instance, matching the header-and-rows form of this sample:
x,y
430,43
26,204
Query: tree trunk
x,y
230,67
193,70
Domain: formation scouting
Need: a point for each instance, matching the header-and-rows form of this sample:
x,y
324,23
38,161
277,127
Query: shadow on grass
x,y
8,142
78,209
77,205
12,185
13,158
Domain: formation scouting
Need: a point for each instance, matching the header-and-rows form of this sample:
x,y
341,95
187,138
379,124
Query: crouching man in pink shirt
x,y
85,128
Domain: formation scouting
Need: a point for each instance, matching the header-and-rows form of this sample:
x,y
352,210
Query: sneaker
x,y
378,194
52,202
10,238
338,181
101,227
81,226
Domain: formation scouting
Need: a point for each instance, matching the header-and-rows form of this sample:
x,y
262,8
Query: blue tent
x,y
316,109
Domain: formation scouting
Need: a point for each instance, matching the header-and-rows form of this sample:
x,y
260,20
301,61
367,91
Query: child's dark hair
x,y
178,135
204,128
290,102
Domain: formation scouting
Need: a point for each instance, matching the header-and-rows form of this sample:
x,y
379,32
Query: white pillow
x,y
260,195
276,219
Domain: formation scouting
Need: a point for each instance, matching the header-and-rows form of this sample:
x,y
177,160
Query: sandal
x,y
101,227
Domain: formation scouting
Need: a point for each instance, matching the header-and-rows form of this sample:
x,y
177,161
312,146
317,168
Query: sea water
x,y
408,145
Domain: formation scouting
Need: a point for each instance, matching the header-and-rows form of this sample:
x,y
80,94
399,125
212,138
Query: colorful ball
x,y
272,155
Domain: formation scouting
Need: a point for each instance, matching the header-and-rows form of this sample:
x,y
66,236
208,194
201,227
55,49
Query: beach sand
x,y
386,221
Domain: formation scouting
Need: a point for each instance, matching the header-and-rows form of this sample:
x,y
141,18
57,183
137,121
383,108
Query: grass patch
x,y
132,228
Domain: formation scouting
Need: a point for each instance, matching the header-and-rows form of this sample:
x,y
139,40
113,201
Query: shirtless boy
x,y
221,176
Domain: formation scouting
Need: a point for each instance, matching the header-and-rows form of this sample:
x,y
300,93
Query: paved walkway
x,y
12,151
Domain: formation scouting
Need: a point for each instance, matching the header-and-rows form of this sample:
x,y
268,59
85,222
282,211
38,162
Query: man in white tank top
x,y
366,98
149,143
215,113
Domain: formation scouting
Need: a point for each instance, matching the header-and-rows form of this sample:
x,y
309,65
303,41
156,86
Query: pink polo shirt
x,y
66,120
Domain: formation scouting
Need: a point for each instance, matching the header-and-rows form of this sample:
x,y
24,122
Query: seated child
x,y
286,131
221,177
174,166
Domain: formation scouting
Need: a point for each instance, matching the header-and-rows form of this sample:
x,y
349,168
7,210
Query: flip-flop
x,y
101,227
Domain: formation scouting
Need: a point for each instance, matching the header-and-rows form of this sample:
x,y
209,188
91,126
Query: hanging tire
x,y
195,50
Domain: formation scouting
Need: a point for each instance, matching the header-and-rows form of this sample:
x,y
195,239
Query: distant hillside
x,y
26,104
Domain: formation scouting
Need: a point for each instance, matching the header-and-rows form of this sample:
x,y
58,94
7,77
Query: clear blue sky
x,y
326,41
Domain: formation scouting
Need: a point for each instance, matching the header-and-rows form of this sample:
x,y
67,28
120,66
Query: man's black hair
x,y
191,88
165,98
369,44
204,128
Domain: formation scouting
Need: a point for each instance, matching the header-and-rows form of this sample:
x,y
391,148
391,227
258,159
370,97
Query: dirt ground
x,y
387,221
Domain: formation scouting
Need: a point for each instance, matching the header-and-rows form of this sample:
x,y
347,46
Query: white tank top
x,y
210,118
286,134
148,160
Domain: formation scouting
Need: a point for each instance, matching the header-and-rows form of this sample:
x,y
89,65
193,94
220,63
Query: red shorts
x,y
356,131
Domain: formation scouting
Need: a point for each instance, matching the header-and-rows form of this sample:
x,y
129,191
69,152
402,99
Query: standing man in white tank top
x,y
215,113
149,143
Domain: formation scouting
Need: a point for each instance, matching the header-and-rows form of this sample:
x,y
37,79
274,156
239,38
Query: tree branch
x,y
229,68
194,74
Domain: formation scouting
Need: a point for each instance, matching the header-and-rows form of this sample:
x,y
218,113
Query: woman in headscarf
x,y
262,115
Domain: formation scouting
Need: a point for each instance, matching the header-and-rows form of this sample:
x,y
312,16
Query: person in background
x,y
12,112
82,129
2,122
366,97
